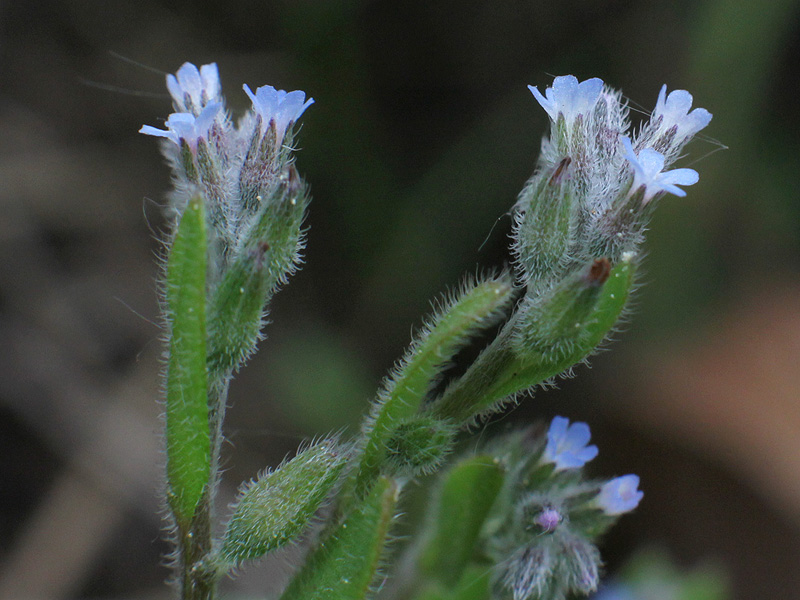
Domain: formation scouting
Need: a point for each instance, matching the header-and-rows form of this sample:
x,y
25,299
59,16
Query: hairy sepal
x,y
267,254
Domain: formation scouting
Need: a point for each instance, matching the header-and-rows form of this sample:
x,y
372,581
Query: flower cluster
x,y
238,170
252,195
552,515
567,448
596,183
196,94
671,126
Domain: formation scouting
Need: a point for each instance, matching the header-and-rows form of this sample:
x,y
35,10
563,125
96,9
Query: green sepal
x,y
276,508
467,494
559,321
346,565
527,353
263,260
545,224
237,311
474,310
187,428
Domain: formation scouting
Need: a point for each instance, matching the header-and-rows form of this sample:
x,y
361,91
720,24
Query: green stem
x,y
217,403
195,544
198,582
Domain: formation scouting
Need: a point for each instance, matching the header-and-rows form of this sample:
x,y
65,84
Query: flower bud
x,y
555,323
545,225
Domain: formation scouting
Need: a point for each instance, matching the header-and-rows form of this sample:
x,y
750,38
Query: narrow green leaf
x,y
274,509
476,309
346,564
188,436
510,364
467,494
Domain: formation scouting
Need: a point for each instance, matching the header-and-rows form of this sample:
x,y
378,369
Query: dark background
x,y
422,133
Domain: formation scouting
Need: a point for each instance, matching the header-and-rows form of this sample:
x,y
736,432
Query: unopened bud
x,y
548,519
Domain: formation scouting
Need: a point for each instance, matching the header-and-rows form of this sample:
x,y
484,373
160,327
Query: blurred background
x,y
422,133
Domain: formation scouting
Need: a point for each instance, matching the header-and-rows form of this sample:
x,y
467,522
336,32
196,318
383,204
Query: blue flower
x,y
201,86
566,444
185,126
620,495
673,109
568,97
647,172
284,108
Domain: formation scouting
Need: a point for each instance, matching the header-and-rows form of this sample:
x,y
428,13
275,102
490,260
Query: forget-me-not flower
x,y
202,86
279,106
673,109
567,444
647,171
620,495
186,127
568,97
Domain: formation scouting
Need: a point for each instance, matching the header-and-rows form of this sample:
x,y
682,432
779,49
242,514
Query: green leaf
x,y
188,436
466,496
346,565
476,309
541,342
274,509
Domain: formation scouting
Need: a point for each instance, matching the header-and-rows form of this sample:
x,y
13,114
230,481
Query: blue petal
x,y
579,435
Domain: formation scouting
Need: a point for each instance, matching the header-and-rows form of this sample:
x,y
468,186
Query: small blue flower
x,y
647,172
202,86
566,444
284,108
185,126
620,495
673,109
568,97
